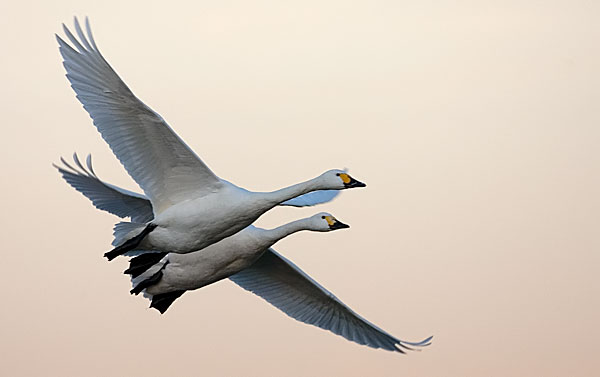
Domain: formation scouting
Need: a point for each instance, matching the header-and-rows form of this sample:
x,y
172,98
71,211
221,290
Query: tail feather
x,y
125,230
149,272
140,264
148,282
163,301
130,243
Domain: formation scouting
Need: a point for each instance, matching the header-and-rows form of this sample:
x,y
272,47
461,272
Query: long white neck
x,y
274,235
273,198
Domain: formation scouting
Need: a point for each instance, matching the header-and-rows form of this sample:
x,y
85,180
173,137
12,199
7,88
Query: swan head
x,y
339,179
325,222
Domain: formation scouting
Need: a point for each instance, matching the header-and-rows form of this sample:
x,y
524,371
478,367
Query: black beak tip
x,y
354,183
339,225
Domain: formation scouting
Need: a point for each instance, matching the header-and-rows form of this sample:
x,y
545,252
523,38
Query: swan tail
x,y
153,279
151,276
142,263
147,274
163,301
125,241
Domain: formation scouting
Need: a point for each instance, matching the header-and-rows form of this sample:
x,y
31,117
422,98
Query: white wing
x,y
312,198
125,203
156,158
104,196
287,287
272,277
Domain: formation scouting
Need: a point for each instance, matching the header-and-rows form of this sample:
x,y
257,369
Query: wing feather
x,y
104,196
156,158
312,198
287,287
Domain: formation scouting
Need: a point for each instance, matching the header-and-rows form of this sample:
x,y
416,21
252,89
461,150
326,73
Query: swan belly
x,y
195,224
213,263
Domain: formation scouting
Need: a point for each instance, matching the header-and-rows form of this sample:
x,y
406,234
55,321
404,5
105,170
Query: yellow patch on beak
x,y
330,220
345,178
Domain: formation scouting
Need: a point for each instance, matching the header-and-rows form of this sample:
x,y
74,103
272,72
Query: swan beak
x,y
354,183
338,225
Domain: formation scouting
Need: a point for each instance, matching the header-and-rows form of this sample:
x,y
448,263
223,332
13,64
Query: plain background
x,y
475,125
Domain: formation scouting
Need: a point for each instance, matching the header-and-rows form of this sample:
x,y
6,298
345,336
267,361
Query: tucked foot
x,y
162,301
148,282
140,264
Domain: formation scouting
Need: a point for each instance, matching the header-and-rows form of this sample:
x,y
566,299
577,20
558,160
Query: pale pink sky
x,y
475,125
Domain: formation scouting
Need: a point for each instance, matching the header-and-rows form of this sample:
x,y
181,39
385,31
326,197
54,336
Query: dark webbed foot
x,y
163,301
140,264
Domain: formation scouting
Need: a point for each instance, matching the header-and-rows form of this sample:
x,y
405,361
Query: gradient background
x,y
475,125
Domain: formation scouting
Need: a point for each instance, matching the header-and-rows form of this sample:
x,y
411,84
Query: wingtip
x,y
426,342
57,166
67,168
423,343
88,162
61,42
403,345
62,159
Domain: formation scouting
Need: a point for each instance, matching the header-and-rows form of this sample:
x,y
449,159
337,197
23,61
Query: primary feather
x,y
104,196
285,286
156,158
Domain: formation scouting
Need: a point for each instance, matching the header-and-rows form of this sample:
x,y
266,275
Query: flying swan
x,y
246,258
192,207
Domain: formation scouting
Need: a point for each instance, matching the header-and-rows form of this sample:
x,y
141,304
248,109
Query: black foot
x,y
162,301
148,282
140,264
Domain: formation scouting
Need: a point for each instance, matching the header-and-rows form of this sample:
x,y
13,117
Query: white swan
x,y
192,207
181,272
262,270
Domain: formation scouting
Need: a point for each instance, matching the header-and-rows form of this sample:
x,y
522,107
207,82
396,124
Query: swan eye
x,y
338,174
323,217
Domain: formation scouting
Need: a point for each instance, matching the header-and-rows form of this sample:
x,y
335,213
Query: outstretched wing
x,y
312,198
156,158
104,196
125,203
287,287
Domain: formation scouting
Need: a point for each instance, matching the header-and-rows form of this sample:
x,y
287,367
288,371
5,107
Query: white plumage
x,y
192,207
247,259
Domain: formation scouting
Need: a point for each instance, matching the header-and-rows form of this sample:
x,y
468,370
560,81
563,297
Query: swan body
x,y
192,207
226,257
246,258
197,223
